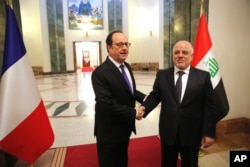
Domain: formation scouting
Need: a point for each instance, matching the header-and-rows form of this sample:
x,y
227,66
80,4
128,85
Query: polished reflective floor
x,y
69,100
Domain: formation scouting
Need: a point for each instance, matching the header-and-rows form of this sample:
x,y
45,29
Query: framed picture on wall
x,y
85,14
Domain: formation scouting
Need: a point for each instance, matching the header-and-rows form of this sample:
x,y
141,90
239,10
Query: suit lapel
x,y
171,85
190,83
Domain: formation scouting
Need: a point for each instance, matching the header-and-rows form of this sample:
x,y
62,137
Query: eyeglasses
x,y
121,44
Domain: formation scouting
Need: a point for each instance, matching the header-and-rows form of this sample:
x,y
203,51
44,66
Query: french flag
x,y
204,59
25,129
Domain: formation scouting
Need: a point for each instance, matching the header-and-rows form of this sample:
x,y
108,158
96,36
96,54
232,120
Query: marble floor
x,y
69,100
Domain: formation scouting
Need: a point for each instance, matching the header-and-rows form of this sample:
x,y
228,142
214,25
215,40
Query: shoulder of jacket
x,y
198,70
167,70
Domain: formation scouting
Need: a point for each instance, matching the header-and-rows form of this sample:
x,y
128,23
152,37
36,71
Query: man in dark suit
x,y
115,111
186,122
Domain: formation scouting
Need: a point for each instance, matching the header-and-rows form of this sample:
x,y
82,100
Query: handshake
x,y
140,110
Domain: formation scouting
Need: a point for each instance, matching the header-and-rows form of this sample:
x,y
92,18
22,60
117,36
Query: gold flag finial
x,y
9,2
202,7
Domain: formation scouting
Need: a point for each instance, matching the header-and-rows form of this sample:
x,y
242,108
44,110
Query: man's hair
x,y
109,40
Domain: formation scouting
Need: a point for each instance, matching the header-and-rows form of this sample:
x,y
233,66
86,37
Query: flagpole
x,y
202,7
26,128
9,158
201,154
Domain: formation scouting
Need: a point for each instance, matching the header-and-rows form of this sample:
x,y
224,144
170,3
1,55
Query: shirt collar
x,y
115,62
185,70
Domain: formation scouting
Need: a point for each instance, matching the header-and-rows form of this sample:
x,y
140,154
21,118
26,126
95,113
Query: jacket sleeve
x,y
153,98
139,96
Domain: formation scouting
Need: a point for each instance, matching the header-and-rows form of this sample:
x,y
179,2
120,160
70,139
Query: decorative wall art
x,y
85,14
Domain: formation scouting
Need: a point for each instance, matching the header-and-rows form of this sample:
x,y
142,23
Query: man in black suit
x,y
186,122
115,111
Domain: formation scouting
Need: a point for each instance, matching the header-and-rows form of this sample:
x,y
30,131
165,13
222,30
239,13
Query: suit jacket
x,y
191,119
114,109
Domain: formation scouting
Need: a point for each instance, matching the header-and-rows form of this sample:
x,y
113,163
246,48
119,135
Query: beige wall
x,y
229,26
35,32
32,31
144,16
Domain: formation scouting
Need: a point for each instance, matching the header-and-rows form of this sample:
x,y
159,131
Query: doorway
x,y
87,55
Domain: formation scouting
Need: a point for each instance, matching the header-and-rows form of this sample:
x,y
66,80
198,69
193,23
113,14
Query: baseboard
x,y
38,70
64,72
236,125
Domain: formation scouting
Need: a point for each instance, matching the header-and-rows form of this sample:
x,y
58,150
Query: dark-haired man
x,y
116,94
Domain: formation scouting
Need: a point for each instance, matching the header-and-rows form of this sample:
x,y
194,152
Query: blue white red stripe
x,y
25,130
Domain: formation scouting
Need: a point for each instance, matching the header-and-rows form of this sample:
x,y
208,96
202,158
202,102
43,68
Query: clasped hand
x,y
207,141
140,110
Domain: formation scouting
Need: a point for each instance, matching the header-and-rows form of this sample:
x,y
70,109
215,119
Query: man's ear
x,y
108,47
191,57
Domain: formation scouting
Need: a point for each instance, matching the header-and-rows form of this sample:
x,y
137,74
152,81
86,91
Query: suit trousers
x,y
189,154
113,154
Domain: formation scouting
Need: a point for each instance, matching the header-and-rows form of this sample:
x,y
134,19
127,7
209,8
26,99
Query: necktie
x,y
125,77
178,85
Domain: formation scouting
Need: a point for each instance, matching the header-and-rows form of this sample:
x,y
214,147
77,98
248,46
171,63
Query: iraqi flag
x,y
25,130
204,59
